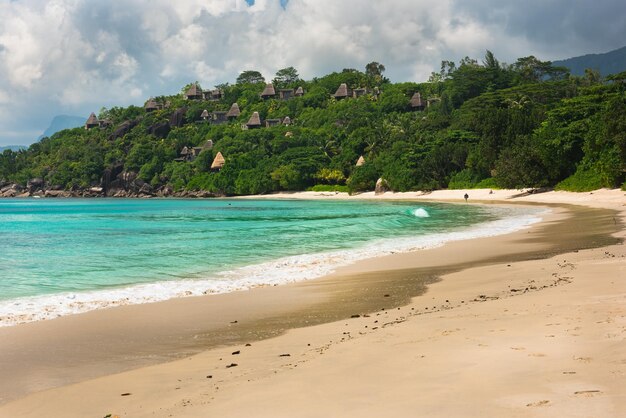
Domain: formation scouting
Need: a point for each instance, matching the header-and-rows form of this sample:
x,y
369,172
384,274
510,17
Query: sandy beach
x,y
529,324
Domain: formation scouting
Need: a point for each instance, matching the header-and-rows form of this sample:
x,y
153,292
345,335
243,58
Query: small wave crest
x,y
420,213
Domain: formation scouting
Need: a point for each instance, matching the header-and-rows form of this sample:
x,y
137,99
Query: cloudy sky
x,y
76,56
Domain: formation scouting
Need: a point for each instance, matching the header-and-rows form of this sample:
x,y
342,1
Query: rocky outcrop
x,y
178,117
34,184
123,129
381,186
57,193
109,177
160,130
11,190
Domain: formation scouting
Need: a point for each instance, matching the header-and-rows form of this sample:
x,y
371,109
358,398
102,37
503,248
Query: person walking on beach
x,y
466,197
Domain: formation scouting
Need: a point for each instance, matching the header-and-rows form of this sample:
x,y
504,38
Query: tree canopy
x,y
480,124
250,77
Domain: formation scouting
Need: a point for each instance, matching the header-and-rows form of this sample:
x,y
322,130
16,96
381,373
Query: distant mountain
x,y
612,62
61,122
12,148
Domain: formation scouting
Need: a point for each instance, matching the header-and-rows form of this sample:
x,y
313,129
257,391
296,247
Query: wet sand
x,y
56,353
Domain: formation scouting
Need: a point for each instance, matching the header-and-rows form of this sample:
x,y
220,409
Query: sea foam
x,y
280,271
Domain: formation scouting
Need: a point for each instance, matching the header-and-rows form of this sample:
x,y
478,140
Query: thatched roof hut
x,y
213,95
272,122
254,121
416,102
285,94
194,92
359,92
92,121
342,92
299,92
268,92
218,162
219,117
234,111
184,152
360,161
205,114
287,121
207,145
151,105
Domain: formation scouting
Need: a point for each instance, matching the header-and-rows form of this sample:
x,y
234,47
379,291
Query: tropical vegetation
x,y
484,124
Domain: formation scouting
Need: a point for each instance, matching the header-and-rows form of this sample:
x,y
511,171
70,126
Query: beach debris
x,y
355,316
209,376
233,322
386,295
285,355
232,365
126,394
248,345
586,392
540,403
234,353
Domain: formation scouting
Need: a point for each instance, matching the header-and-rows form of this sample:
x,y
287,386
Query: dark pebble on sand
x,y
210,376
233,322
125,394
234,353
248,345
231,365
386,295
285,355
355,316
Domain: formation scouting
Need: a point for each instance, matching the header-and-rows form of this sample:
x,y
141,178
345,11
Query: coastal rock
x,y
56,193
160,130
381,186
178,117
146,189
109,176
25,194
165,191
12,190
123,129
35,183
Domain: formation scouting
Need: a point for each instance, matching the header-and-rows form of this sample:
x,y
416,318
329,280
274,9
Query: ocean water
x,y
59,257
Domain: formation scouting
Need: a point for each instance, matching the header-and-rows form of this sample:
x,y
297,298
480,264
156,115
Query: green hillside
x,y
611,62
474,124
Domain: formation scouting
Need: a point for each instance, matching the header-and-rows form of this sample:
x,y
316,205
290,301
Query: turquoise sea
x,y
66,256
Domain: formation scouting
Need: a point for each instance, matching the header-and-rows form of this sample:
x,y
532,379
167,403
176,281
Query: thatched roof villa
x,y
92,121
218,162
254,121
194,92
268,92
416,102
342,92
151,105
234,112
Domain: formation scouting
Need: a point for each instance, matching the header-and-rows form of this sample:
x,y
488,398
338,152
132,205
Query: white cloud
x,y
78,55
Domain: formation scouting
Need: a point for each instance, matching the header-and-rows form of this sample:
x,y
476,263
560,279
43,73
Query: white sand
x,y
540,338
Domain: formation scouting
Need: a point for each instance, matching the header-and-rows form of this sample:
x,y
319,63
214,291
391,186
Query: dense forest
x,y
473,124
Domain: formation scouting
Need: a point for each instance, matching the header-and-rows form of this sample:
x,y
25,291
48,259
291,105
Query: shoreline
x,y
326,293
278,271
